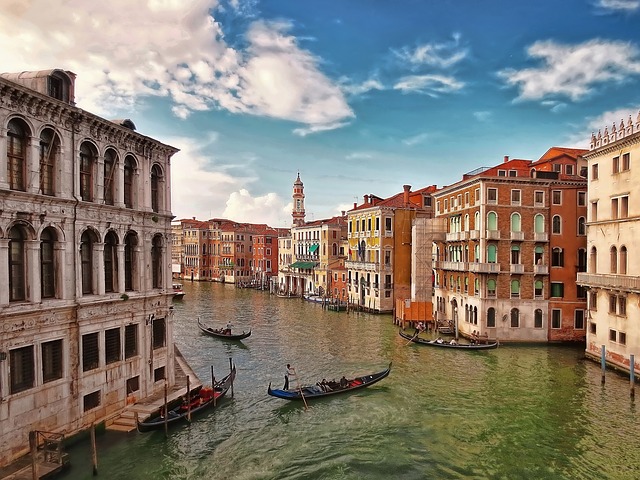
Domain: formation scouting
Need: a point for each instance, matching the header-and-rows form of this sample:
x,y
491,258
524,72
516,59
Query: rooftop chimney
x,y
407,189
506,158
355,204
366,199
342,212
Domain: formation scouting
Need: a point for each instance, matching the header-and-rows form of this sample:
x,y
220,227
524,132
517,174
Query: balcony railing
x,y
517,268
484,267
541,269
367,266
517,236
474,234
618,282
541,236
458,266
493,234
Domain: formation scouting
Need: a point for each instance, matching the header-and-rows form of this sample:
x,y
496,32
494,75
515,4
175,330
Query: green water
x,y
510,413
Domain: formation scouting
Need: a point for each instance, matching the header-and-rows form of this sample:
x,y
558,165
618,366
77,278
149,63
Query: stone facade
x,y
85,264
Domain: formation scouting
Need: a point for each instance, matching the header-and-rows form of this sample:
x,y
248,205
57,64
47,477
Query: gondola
x,y
201,398
219,334
315,391
433,343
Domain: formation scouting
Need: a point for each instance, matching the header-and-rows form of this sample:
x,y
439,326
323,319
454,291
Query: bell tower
x,y
298,202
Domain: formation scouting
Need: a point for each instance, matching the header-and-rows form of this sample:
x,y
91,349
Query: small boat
x,y
458,346
201,398
306,392
220,332
178,292
314,298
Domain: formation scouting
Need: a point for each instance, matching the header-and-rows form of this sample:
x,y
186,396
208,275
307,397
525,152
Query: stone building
x,y
85,264
613,270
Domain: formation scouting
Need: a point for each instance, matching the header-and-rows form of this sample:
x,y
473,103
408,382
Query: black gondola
x,y
201,398
330,388
220,332
457,346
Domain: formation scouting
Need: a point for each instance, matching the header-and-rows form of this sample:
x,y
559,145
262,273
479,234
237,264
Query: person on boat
x,y
439,340
227,329
453,342
289,372
344,383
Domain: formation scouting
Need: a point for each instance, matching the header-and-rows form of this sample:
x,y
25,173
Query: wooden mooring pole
x,y
33,445
231,370
94,451
632,375
603,362
166,411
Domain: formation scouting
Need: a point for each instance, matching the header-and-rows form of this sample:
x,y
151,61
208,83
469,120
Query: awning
x,y
313,248
303,265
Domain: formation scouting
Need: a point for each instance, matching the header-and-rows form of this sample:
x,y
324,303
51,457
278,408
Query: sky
x,y
358,96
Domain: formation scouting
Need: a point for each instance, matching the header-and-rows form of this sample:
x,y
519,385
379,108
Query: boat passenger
x,y
227,330
453,342
344,383
439,340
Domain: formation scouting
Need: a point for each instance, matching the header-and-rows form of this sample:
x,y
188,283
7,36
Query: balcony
x,y
541,236
474,234
493,234
517,236
615,282
366,266
484,267
541,269
452,237
457,266
517,268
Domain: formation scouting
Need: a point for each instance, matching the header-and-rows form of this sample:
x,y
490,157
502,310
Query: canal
x,y
511,413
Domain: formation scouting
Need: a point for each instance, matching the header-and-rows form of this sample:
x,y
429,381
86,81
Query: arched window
x,y
515,254
48,151
466,313
491,317
515,289
491,287
582,259
87,242
17,264
556,224
466,222
515,318
537,318
492,253
538,223
557,257
582,226
614,259
334,249
129,171
476,253
156,262
538,255
515,222
538,287
492,221
109,176
623,260
593,260
87,164
476,286
17,154
110,263
47,263
156,180
476,221
130,244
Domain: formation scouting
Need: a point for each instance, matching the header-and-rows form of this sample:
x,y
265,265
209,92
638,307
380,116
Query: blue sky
x,y
359,96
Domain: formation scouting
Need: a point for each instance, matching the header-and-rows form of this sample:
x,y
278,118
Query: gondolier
x,y
227,329
288,373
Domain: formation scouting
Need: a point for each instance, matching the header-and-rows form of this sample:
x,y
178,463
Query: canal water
x,y
510,413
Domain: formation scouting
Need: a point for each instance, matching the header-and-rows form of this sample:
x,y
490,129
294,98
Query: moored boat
x,y
178,292
324,389
444,344
220,332
200,399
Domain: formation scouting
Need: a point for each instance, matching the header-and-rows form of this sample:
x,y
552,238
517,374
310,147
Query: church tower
x,y
298,202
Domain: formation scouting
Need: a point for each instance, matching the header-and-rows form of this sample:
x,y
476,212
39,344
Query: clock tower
x,y
298,202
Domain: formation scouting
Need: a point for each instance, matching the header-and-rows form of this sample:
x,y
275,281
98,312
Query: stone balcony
x,y
626,283
484,267
457,266
493,234
541,269
517,268
517,236
541,236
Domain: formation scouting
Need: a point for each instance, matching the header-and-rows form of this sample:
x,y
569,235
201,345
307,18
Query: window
x,y
156,262
156,180
492,195
568,169
594,171
129,170
86,256
538,223
556,167
538,198
622,306
130,243
51,360
538,289
87,161
614,208
159,333
593,301
515,255
557,257
110,263
622,338
515,197
90,352
492,221
112,345
515,318
615,164
556,318
578,319
582,199
592,328
556,197
491,317
491,288
159,374
130,341
623,260
515,289
17,154
538,255
556,224
48,149
537,318
502,173
477,195
624,207
47,269
625,162
109,176
614,259
387,224
466,198
582,226
513,173
594,211
612,335
133,385
612,303
557,289
515,222
492,253
21,369
91,401
582,260
17,264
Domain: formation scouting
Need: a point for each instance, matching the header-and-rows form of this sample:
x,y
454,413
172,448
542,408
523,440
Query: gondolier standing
x,y
227,330
289,372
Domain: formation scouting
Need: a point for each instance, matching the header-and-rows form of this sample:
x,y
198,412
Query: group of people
x,y
324,385
226,330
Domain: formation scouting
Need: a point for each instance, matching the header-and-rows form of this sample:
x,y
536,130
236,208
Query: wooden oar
x,y
412,339
300,388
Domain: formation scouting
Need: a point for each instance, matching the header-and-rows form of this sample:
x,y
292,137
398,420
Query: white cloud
x,y
440,55
620,5
482,116
573,70
123,50
431,85
269,209
416,139
582,137
303,132
364,87
358,156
